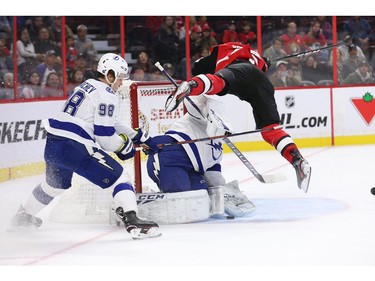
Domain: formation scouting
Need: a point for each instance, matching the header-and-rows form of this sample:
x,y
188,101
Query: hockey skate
x,y
23,219
236,203
303,170
138,229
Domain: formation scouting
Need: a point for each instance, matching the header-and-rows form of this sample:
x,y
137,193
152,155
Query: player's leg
x,y
58,178
101,169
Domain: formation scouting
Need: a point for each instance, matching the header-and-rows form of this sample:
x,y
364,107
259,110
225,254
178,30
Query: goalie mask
x,y
199,110
114,62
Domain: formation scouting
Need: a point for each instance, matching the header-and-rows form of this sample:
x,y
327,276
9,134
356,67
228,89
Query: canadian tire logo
x,y
365,106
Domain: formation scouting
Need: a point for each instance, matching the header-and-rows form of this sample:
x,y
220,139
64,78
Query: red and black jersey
x,y
224,54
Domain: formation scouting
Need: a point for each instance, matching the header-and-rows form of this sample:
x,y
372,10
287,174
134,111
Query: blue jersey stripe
x,y
69,127
103,131
193,148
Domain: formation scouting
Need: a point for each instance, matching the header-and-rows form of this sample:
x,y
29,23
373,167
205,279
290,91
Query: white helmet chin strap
x,y
106,79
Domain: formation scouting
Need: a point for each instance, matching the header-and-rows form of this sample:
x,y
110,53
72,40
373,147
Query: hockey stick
x,y
220,136
272,178
305,53
262,178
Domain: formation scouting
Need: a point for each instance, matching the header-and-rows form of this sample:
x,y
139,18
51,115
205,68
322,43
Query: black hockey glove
x,y
127,150
268,62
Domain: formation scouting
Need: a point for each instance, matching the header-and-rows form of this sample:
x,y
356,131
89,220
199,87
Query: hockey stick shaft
x,y
263,179
220,136
305,53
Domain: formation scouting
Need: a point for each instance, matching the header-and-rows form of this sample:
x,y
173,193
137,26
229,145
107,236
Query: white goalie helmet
x,y
111,61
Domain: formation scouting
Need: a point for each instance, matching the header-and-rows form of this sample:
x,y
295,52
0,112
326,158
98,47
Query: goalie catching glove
x,y
127,149
174,100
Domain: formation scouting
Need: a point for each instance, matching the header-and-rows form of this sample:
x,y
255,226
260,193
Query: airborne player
x,y
237,69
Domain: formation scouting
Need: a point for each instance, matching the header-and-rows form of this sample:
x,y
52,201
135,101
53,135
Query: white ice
x,y
330,227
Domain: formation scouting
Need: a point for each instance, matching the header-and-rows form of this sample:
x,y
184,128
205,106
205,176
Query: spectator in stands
x,y
6,62
180,72
7,87
46,67
230,34
55,31
292,42
71,53
75,79
295,68
52,87
344,48
85,45
360,29
167,41
156,75
81,63
340,64
138,74
5,28
247,35
27,58
314,71
169,68
33,28
352,62
182,31
275,51
362,75
45,44
208,40
315,39
201,21
143,62
32,88
282,77
326,27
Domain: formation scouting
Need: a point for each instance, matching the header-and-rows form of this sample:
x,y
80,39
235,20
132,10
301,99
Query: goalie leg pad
x,y
236,203
174,208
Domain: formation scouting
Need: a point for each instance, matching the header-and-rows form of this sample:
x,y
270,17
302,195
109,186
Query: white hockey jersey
x,y
193,125
89,116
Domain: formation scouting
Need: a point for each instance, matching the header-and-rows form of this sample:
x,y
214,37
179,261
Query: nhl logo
x,y
289,101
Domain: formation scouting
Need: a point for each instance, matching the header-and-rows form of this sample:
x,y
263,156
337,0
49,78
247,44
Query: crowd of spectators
x,y
163,38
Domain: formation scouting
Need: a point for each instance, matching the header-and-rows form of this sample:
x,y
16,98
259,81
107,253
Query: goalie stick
x,y
262,178
305,53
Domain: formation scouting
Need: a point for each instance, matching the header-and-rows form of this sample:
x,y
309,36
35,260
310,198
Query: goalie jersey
x,y
89,116
196,125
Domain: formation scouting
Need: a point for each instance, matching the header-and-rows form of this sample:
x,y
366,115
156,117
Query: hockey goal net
x,y
141,106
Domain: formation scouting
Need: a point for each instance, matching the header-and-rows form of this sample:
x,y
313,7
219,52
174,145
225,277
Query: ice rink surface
x,y
328,232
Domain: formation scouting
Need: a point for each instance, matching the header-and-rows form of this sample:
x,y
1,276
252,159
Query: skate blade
x,y
306,182
153,232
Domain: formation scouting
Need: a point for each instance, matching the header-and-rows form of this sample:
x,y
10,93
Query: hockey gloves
x,y
174,100
142,138
127,149
268,63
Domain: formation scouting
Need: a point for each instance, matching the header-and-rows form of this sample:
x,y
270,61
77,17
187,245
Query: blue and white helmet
x,y
111,61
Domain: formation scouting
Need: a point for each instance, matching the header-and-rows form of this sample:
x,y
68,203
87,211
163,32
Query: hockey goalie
x,y
192,187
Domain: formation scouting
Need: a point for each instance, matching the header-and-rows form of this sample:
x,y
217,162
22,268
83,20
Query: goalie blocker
x,y
192,206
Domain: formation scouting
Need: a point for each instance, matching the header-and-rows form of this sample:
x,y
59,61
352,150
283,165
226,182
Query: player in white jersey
x,y
78,141
196,165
